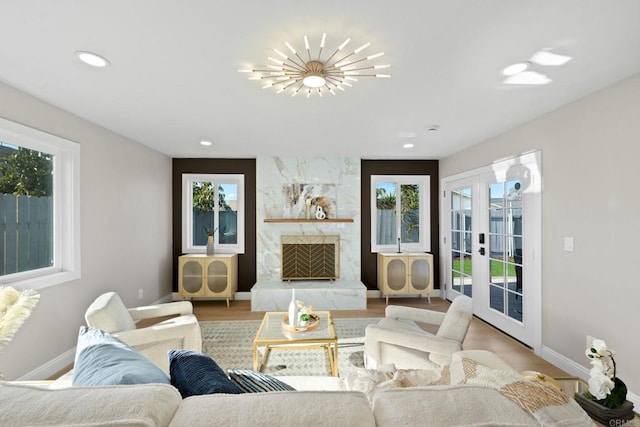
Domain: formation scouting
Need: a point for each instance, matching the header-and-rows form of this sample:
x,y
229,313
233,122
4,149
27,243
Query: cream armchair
x,y
399,340
108,313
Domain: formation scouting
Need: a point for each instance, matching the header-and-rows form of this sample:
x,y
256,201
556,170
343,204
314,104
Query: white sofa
x,y
319,401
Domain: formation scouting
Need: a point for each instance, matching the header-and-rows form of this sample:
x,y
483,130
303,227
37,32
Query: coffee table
x,y
272,336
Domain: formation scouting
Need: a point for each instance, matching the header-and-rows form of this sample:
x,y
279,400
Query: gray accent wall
x,y
126,234
590,172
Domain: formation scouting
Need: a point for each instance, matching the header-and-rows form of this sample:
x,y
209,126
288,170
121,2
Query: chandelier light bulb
x,y
314,80
361,48
290,47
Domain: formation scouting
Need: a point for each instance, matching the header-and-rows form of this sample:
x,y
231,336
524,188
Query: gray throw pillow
x,y
102,359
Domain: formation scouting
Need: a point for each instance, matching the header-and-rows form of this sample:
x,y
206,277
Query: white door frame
x,y
532,233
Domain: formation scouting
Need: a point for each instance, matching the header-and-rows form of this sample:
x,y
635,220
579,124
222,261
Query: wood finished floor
x,y
481,336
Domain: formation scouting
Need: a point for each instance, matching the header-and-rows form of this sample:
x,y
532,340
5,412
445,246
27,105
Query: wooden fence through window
x,y
26,233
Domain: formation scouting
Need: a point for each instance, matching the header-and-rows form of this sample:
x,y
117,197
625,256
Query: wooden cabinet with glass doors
x,y
208,276
405,274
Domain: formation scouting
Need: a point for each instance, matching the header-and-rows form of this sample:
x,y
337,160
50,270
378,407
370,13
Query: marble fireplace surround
x,y
273,176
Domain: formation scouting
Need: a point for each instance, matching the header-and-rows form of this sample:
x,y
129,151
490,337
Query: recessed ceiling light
x,y
206,143
527,78
409,145
92,59
516,68
407,135
547,58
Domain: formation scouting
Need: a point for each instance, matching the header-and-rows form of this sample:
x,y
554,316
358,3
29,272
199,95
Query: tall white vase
x,y
293,309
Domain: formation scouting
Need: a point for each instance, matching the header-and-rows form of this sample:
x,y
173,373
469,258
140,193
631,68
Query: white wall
x,y
126,234
590,154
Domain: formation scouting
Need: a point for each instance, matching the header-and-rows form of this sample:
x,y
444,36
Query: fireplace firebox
x,y
310,257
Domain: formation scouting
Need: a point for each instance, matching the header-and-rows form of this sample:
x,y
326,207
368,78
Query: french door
x,y
491,244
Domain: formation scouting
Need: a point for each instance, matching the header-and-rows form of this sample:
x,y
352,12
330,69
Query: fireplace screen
x,y
310,257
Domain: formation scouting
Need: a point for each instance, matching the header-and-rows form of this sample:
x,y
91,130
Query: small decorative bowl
x,y
311,324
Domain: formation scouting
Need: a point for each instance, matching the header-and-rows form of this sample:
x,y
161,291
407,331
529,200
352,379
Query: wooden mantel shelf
x,y
307,220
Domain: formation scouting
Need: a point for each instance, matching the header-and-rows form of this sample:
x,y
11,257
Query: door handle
x,y
481,251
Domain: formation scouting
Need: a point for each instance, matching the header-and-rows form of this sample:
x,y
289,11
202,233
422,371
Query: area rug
x,y
230,344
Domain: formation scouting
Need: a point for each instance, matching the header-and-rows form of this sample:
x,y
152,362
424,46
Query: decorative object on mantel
x,y
320,213
307,201
210,244
316,74
15,308
605,400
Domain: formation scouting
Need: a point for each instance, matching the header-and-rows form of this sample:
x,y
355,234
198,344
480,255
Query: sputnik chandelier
x,y
294,74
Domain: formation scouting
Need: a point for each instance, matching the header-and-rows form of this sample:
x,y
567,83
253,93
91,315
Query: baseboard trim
x,y
246,296
51,368
577,370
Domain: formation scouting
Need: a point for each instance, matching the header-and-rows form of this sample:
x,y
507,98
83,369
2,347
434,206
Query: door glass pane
x,y
461,241
496,298
497,273
410,209
466,241
505,248
456,241
386,213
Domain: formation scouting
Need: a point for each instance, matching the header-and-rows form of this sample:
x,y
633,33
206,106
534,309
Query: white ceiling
x,y
173,79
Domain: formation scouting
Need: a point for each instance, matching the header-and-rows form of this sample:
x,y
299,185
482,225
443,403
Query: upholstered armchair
x,y
399,340
182,331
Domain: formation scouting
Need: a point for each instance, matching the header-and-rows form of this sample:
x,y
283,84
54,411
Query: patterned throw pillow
x,y
256,382
194,373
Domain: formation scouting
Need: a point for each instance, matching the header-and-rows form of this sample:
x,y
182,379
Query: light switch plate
x,y
568,244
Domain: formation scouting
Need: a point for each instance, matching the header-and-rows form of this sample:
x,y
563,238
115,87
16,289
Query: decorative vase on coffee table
x,y
293,309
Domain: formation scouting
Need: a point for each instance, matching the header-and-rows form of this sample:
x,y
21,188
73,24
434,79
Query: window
x,y
400,213
39,207
213,204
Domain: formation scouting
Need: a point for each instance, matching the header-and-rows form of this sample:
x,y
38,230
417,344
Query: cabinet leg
x,y
387,303
227,302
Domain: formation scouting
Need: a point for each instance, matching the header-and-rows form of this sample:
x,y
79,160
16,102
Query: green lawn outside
x,y
497,268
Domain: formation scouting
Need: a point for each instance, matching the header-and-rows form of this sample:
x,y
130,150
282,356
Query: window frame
x,y
187,218
423,182
66,206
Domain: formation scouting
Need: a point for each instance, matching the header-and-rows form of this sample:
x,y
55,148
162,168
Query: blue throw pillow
x,y
256,382
102,359
194,373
